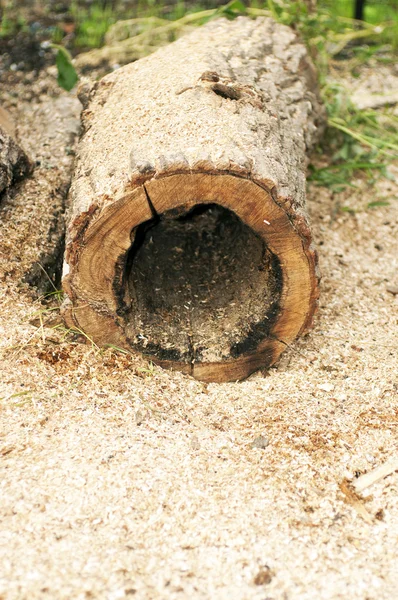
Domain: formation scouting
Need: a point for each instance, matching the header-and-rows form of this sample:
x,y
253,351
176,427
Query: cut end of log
x,y
199,272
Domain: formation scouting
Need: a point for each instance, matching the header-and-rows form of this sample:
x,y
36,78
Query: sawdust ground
x,y
120,480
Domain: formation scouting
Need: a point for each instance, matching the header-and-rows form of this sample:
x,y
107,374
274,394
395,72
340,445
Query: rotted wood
x,y
188,239
14,163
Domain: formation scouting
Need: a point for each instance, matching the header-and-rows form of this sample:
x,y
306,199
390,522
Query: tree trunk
x,y
359,10
14,164
188,237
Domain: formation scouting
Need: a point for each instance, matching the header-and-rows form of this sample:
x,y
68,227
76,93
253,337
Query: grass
x,y
10,26
91,24
357,141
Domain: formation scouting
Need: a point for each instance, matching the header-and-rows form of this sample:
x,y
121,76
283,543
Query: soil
x,y
119,479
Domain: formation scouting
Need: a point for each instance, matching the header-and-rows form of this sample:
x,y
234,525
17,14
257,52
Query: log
x,y
32,213
14,164
188,239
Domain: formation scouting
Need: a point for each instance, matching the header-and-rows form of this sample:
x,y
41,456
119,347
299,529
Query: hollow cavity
x,y
203,287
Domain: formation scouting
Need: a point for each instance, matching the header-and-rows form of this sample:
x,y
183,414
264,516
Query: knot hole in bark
x,y
226,91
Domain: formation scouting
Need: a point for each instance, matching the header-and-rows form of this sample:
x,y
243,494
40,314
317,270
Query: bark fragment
x,y
14,163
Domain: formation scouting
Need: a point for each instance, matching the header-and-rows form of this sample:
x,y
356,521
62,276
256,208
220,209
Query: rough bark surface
x,y
224,117
14,163
32,225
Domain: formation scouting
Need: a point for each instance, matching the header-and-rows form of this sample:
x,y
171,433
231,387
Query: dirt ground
x,y
120,480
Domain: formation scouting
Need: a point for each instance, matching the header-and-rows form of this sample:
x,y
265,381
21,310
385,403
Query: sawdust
x,y
120,480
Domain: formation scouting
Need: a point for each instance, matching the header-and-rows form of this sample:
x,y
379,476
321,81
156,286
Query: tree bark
x,y
188,239
14,164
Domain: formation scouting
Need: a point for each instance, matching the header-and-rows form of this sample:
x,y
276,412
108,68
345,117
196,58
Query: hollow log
x,y
14,164
188,239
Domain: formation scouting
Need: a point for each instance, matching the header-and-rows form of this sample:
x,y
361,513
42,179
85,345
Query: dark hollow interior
x,y
203,287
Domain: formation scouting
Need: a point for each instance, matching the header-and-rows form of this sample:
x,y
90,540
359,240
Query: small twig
x,y
48,276
378,473
43,337
289,346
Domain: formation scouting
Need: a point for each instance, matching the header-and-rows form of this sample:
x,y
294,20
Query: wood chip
x,y
260,442
264,576
6,450
352,498
393,289
326,387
